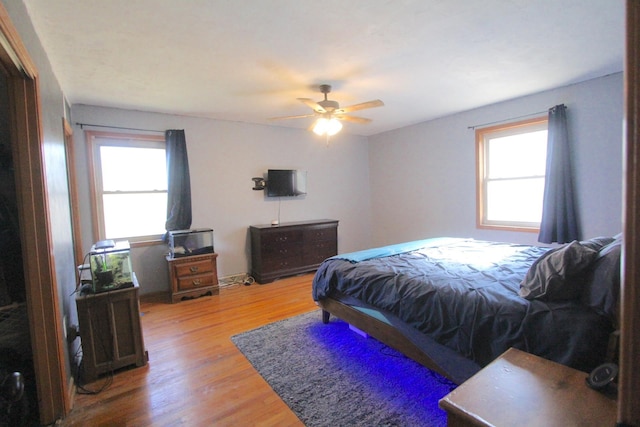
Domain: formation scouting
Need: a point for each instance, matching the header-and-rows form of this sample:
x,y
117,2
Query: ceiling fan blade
x,y
313,104
353,119
311,126
292,117
369,104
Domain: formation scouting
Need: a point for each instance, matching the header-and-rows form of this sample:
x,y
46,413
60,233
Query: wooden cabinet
x,y
291,248
519,388
110,331
193,276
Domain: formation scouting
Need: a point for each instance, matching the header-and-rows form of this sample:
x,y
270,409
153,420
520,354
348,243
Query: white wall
x,y
223,157
423,177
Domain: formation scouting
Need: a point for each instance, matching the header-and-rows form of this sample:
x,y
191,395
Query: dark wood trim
x,y
45,323
629,393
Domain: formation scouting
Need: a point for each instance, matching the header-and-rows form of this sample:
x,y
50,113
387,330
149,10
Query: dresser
x,y
192,276
111,331
291,248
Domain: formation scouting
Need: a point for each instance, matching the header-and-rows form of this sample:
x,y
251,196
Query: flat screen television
x,y
286,183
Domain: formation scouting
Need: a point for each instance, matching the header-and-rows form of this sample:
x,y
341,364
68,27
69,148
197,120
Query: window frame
x,y
93,147
482,134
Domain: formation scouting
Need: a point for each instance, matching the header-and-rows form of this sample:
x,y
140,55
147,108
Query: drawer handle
x,y
196,283
194,269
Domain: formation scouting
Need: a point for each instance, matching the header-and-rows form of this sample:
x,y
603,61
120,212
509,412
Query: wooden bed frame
x,y
394,338
381,331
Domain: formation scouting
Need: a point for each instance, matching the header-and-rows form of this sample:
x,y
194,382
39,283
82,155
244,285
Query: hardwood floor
x,y
195,375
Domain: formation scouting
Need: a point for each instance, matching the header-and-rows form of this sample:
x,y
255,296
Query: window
x,y
129,195
511,162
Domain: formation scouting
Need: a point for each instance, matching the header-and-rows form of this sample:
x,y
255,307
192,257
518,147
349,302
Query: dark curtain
x,y
559,217
179,182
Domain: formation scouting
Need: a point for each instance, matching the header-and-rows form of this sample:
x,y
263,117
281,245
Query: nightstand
x,y
193,276
520,389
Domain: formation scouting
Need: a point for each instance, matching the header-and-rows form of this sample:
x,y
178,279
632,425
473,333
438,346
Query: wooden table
x,y
520,389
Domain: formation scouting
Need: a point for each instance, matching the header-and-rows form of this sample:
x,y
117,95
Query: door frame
x,y
47,340
629,381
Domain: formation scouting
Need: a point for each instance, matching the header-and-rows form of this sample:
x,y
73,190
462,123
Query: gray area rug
x,y
331,376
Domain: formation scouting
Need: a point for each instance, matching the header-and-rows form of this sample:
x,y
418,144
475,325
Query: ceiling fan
x,y
329,113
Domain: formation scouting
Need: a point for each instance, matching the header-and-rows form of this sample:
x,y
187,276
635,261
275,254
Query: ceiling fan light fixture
x,y
329,114
327,126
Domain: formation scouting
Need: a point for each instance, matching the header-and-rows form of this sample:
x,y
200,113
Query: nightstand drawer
x,y
194,282
195,267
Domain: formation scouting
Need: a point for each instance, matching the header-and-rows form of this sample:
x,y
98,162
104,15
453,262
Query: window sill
x,y
509,228
145,243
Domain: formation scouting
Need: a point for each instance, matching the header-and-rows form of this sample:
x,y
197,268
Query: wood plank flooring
x,y
195,375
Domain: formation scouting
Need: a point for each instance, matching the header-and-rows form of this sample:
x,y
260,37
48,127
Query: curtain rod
x,y
82,125
507,120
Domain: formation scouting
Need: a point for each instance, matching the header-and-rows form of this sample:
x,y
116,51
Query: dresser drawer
x,y
282,250
320,233
194,267
194,282
281,237
293,260
316,252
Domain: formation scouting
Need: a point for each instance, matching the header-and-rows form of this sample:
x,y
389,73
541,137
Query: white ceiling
x,y
248,60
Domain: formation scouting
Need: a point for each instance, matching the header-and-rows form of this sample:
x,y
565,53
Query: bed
x,y
456,304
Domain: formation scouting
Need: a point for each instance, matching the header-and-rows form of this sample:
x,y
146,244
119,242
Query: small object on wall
x,y
258,183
